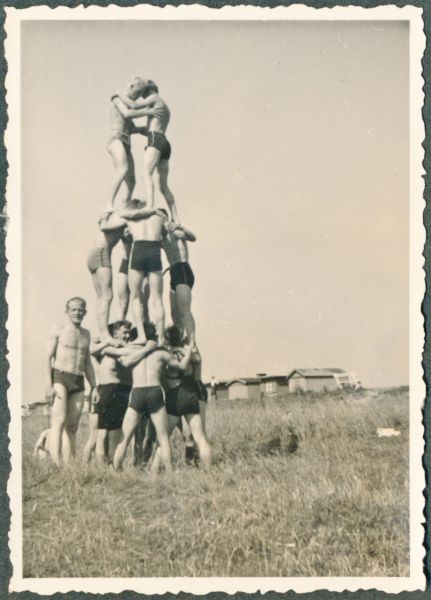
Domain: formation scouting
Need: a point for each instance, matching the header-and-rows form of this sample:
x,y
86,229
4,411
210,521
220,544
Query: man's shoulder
x,y
85,332
56,329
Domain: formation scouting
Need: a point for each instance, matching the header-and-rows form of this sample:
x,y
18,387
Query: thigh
x,y
75,404
130,422
160,421
59,406
151,158
135,280
118,152
155,281
196,425
183,297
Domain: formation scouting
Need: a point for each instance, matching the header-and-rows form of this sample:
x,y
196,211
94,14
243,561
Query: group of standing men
x,y
146,373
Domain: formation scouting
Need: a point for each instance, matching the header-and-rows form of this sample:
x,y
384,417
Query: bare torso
x,y
147,372
118,123
162,114
72,349
149,229
176,250
111,371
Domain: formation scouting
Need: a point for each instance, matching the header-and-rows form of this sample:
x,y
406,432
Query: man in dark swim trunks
x,y
147,396
174,243
158,151
67,360
115,383
145,225
183,398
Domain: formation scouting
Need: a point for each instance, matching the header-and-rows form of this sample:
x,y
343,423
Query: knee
x,y
107,294
71,428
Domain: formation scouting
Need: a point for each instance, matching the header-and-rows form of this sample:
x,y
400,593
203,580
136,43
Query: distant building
x,y
221,389
271,385
244,388
319,380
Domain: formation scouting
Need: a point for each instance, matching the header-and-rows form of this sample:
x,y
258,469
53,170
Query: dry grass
x,y
336,507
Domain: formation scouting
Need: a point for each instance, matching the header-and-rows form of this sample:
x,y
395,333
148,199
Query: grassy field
x,y
338,506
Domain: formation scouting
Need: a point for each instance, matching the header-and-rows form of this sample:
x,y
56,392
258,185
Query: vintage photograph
x,y
214,246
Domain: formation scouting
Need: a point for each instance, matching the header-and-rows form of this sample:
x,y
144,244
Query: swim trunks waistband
x,y
148,243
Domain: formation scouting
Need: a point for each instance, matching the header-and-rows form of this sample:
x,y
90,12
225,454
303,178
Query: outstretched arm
x,y
130,113
141,130
134,356
136,214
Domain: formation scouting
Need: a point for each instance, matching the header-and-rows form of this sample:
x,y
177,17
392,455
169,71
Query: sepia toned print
x,y
215,250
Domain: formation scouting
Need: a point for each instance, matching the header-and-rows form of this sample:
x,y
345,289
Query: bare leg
x,y
58,420
175,315
123,293
160,422
162,183
131,420
114,439
75,405
195,422
93,420
155,280
100,446
151,159
191,452
42,444
135,284
146,298
158,455
122,166
203,411
183,296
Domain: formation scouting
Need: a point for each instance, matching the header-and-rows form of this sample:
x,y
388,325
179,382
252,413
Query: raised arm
x,y
51,349
131,113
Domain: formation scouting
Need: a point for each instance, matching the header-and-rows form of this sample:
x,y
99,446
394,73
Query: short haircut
x,y
164,211
76,299
141,83
150,331
173,336
114,327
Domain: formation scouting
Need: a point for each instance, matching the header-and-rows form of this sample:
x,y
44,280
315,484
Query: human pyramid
x,y
147,379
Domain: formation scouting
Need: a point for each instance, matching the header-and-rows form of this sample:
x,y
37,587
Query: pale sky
x,y
289,162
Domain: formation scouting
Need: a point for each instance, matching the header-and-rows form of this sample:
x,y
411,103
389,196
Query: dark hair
x,y
76,299
133,334
173,336
150,88
150,331
164,211
114,327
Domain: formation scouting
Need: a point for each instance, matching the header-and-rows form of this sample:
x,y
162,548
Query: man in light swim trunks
x,y
115,383
67,360
119,145
147,396
145,225
158,150
174,243
182,398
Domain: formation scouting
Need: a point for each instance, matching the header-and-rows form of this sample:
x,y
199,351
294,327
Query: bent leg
x,y
121,165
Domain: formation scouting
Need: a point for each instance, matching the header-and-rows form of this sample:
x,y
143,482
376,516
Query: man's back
x,y
147,371
149,229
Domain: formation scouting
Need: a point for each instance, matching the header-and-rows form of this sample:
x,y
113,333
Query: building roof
x,y
244,381
272,377
329,372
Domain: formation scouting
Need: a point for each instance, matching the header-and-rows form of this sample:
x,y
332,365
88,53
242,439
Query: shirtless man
x,y
119,143
147,397
182,399
115,383
67,359
145,225
174,243
158,150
